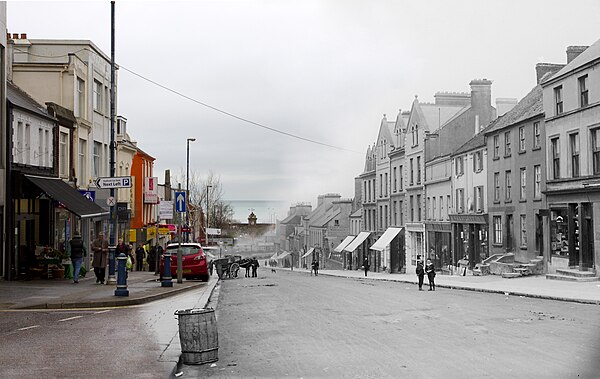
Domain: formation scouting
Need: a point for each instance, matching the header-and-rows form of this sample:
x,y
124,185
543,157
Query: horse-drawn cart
x,y
229,266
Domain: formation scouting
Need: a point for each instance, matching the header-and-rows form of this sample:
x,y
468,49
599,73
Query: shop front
x,y
46,211
470,237
439,237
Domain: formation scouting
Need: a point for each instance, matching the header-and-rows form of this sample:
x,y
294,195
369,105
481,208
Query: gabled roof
x,y
477,141
325,218
291,219
386,130
432,115
590,54
21,99
357,213
529,106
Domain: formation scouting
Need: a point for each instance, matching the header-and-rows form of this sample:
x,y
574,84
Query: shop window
x,y
559,231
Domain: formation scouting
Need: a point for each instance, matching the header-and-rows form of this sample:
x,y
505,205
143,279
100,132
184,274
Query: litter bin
x,y
198,336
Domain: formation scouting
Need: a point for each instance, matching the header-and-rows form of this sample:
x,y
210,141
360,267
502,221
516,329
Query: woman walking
x,y
430,270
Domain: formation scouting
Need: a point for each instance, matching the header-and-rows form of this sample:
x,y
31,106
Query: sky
x,y
323,70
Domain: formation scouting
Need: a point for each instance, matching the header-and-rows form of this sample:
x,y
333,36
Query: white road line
x,y
29,327
70,318
104,311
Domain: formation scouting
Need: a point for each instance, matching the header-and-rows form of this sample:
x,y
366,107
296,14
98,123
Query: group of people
x,y
429,269
100,256
253,265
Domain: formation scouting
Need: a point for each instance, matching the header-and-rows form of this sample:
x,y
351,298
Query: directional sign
x,y
180,202
116,182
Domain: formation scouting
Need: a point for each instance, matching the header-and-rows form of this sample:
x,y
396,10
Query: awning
x,y
60,191
284,254
362,236
274,256
385,239
309,252
344,243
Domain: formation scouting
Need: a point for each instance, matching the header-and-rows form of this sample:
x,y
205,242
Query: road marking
x,y
29,327
100,312
70,318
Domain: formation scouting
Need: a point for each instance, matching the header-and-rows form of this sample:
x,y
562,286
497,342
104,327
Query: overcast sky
x,y
323,70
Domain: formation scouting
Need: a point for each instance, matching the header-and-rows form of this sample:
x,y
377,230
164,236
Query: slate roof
x,y
529,106
291,219
590,54
437,115
325,218
476,142
21,99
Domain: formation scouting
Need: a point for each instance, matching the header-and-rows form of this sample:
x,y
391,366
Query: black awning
x,y
60,191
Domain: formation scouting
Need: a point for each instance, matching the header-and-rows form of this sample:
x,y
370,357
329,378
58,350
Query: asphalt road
x,y
124,342
288,324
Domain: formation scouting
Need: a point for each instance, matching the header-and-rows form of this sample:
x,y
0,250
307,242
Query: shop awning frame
x,y
362,236
284,254
385,239
344,243
60,191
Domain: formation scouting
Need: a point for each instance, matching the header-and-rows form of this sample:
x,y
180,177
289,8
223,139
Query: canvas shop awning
x,y
385,239
309,252
362,236
344,243
60,191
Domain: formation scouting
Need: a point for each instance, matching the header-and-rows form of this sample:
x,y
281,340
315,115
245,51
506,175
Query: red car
x,y
195,264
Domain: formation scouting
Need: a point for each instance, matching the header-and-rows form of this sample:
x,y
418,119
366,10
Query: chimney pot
x,y
15,36
23,35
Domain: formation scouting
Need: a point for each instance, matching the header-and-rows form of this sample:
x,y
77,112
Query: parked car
x,y
194,261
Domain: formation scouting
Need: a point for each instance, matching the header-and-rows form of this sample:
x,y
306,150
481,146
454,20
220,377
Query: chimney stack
x,y
481,99
574,51
542,69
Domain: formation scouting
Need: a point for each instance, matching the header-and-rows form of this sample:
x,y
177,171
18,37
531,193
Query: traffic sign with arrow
x,y
180,201
115,182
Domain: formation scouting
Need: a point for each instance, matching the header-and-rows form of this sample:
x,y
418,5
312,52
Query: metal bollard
x,y
122,276
166,282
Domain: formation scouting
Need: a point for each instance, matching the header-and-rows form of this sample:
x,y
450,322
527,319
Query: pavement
x,y
143,287
536,286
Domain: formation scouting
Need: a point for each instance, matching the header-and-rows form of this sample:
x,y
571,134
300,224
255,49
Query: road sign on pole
x,y
180,201
114,182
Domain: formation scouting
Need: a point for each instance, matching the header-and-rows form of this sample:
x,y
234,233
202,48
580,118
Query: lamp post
x,y
187,189
208,187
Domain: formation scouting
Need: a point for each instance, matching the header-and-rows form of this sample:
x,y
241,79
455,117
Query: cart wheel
x,y
234,270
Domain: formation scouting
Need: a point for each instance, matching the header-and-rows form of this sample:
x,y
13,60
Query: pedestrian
x,y
420,272
77,254
159,254
430,270
151,259
100,259
314,267
139,257
366,265
122,247
255,266
248,265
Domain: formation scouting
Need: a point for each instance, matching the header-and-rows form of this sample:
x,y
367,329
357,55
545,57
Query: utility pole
x,y
206,230
113,218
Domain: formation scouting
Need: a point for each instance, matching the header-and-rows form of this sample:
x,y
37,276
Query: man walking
x,y
420,272
254,267
139,257
366,265
100,249
77,253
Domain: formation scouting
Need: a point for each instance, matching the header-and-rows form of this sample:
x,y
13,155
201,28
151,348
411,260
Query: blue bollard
x,y
122,276
166,275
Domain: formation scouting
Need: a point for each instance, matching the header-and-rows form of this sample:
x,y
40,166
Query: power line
x,y
207,105
235,116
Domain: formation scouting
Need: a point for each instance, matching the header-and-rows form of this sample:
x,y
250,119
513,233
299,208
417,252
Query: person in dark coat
x,y
139,258
420,272
430,270
152,259
77,253
100,260
255,266
314,267
366,265
248,266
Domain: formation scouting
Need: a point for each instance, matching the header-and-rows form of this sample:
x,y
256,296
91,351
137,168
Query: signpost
x,y
180,207
114,182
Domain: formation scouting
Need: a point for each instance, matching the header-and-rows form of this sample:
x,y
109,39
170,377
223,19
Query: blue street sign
x,y
180,202
90,195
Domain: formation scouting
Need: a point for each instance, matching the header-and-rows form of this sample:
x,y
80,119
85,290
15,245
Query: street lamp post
x,y
208,187
187,189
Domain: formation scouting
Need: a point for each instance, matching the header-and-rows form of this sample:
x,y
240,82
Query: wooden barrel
x,y
198,336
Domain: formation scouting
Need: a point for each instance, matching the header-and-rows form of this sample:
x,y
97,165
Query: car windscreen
x,y
185,250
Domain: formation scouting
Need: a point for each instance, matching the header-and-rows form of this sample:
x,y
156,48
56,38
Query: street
x,y
291,324
122,342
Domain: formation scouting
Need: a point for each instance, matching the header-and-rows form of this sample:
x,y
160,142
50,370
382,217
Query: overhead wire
x,y
216,109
